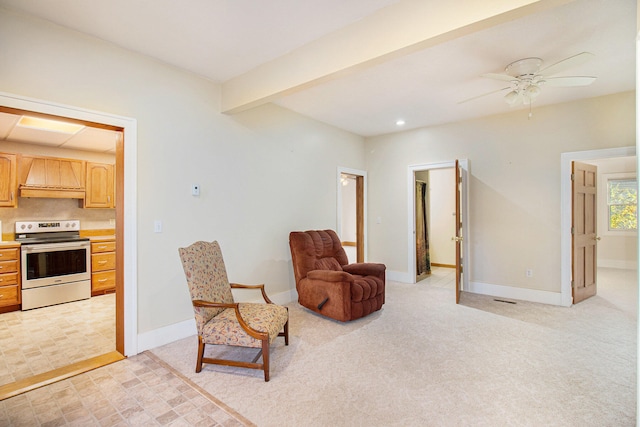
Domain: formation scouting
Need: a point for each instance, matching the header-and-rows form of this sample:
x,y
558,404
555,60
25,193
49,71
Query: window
x,y
622,202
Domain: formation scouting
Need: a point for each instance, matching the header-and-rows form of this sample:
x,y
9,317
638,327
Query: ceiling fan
x,y
526,78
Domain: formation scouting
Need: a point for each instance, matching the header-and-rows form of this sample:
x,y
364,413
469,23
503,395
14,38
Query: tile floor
x,y
138,391
43,339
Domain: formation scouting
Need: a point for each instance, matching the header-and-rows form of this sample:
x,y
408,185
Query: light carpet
x,y
425,361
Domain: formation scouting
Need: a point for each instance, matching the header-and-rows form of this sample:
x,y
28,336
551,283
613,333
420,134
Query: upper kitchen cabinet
x,y
51,177
100,186
8,180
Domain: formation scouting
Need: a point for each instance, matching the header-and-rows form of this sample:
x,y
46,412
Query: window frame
x,y
603,213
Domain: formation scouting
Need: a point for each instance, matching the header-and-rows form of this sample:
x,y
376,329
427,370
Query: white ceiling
x,y
227,40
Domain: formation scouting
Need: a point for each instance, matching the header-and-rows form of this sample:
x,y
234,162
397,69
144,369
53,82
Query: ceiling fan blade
x,y
569,81
485,94
496,76
565,64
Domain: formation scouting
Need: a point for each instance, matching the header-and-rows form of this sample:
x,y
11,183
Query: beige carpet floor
x,y
425,361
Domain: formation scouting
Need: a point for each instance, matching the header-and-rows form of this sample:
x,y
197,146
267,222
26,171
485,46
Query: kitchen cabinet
x,y
9,277
103,265
99,191
8,180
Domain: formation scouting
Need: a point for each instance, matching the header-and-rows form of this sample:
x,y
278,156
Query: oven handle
x,y
47,247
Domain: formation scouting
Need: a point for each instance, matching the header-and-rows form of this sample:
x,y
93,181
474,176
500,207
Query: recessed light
x,y
49,125
400,122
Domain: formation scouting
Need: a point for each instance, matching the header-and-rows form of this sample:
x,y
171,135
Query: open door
x,y
351,213
458,237
583,231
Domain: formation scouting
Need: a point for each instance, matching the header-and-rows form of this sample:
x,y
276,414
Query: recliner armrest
x,y
365,268
330,276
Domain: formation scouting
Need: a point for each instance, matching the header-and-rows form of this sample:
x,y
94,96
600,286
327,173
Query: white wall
x,y
262,173
514,184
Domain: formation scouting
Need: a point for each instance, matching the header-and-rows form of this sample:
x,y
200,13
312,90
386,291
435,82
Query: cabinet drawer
x,y
103,280
103,247
103,261
9,253
9,279
9,266
9,295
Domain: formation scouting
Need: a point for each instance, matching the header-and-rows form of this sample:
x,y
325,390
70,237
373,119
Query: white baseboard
x,y
177,331
511,292
166,334
616,263
398,276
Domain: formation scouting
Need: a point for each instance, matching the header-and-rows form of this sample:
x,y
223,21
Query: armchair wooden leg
x,y
265,358
200,354
286,333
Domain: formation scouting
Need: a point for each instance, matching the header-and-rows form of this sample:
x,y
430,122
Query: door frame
x,y
363,174
128,327
411,218
566,298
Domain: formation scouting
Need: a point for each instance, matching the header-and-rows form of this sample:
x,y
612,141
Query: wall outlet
x,y
528,272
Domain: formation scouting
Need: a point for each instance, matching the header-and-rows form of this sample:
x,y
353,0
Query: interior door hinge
x,y
573,177
573,230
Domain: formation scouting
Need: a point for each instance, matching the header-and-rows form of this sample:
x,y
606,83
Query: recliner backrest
x,y
316,250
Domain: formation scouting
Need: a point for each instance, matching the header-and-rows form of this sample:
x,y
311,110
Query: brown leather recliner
x,y
327,283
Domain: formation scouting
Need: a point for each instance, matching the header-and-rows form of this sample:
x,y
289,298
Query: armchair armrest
x,y
260,286
236,306
329,276
365,268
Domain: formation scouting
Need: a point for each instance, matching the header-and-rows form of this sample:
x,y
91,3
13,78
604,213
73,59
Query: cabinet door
x,y
99,186
8,180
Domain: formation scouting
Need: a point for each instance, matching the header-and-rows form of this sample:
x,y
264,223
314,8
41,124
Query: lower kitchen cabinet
x,y
103,266
9,278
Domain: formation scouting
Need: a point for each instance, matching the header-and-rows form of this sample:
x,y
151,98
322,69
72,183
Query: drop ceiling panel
x,y
92,139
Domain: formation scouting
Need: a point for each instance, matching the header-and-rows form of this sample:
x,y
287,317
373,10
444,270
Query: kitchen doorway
x,y
125,295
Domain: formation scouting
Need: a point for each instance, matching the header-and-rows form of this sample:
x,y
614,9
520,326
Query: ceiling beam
x,y
399,29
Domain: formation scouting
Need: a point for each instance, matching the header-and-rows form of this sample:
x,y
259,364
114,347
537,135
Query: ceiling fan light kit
x,y
526,78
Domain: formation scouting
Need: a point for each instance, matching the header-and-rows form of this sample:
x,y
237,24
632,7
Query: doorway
x,y
442,172
126,313
593,156
351,215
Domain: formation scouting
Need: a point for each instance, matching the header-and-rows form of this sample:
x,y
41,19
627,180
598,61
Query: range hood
x,y
51,178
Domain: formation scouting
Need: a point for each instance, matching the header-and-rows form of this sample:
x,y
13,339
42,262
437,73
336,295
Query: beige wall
x,y
262,173
514,184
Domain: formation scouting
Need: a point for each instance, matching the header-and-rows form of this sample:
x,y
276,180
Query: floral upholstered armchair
x,y
222,321
327,283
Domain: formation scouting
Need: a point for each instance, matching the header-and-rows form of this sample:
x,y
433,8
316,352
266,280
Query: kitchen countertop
x,y
102,238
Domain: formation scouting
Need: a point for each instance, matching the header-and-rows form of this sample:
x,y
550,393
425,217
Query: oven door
x,y
48,264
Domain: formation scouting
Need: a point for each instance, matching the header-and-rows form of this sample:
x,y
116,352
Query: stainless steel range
x,y
56,262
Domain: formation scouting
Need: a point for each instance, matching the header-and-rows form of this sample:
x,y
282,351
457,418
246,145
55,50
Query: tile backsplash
x,y
30,209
